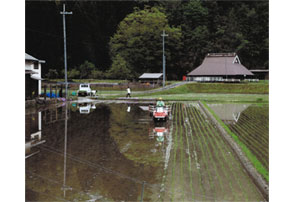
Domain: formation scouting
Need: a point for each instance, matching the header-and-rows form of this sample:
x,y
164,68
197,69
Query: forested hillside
x,y
122,39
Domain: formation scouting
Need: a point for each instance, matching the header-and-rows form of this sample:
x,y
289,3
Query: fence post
x,y
60,91
55,92
50,89
44,92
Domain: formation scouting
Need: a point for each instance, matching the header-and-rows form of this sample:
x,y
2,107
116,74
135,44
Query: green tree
x,y
138,41
119,69
85,69
97,74
52,74
73,74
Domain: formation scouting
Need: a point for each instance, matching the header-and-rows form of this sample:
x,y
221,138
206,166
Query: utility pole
x,y
63,13
163,35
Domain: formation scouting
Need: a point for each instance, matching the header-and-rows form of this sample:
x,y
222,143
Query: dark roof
x,y
150,76
216,64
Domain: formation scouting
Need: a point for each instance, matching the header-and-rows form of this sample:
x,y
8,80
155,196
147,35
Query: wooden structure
x,y
151,78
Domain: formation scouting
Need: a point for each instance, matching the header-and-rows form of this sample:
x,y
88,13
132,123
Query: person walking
x,y
128,92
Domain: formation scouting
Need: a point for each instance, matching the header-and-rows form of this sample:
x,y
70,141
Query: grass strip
x,y
250,88
256,163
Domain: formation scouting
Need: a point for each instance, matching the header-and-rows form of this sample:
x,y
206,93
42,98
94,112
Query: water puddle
x,y
95,152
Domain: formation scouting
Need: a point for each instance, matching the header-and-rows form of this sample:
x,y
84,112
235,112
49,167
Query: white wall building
x,y
33,67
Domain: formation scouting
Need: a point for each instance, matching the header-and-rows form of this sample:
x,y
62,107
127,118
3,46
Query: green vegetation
x,y
137,43
120,69
254,120
203,166
133,28
256,163
249,88
248,92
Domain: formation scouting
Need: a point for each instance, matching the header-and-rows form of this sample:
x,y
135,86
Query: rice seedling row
x,y
244,132
252,145
230,163
220,157
200,185
248,192
205,157
205,177
252,130
212,158
262,133
251,140
202,166
174,155
185,118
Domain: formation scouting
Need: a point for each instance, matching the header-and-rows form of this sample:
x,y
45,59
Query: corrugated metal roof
x,y
150,76
218,66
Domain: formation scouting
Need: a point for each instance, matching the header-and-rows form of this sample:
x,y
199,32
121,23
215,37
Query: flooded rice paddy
x,y
115,152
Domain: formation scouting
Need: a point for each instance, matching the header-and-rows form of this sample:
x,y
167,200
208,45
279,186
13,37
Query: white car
x,y
85,90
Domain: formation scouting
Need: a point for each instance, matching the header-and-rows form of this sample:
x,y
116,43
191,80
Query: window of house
x,y
35,65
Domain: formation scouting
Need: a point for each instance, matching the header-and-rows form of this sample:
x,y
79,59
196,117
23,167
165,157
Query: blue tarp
x,y
52,95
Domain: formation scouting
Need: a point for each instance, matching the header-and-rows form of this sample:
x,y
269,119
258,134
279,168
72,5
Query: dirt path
x,y
202,166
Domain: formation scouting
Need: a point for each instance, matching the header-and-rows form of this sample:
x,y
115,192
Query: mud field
x,y
115,152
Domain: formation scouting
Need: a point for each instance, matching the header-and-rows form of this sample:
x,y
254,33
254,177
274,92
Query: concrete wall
x,y
30,65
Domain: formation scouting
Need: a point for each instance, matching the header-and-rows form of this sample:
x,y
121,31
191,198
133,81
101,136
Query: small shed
x,y
152,78
220,67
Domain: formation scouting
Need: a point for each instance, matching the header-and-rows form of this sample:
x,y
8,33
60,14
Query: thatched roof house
x,y
220,67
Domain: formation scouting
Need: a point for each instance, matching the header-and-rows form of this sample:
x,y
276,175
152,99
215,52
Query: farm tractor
x,y
159,112
85,90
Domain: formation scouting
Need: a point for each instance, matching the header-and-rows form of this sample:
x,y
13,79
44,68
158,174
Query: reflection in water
x,y
104,155
64,187
35,138
229,113
85,108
